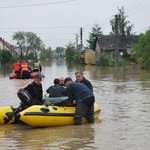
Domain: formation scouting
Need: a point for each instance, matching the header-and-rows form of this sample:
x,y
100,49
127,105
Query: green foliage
x,y
46,54
142,50
124,26
106,60
59,49
30,56
96,31
6,56
29,41
71,54
77,57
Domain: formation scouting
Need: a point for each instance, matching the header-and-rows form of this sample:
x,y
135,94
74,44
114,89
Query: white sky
x,y
57,22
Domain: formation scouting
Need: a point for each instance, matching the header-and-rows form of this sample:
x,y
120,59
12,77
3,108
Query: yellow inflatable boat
x,y
42,116
39,116
51,113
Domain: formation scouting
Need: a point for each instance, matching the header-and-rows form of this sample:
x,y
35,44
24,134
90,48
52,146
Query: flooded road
x,y
124,124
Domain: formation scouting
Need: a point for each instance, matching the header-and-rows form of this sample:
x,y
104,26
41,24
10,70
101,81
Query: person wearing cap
x,y
80,78
35,90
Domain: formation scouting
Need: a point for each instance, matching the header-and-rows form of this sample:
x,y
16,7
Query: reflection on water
x,y
123,94
25,137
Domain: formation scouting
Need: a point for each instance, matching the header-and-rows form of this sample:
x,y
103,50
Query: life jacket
x,y
36,65
16,66
24,67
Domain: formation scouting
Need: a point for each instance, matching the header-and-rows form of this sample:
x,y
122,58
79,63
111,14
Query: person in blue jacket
x,y
84,100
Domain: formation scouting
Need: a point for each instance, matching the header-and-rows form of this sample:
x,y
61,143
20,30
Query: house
x,y
8,46
107,43
88,57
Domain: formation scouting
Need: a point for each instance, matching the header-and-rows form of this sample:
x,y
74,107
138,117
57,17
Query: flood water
x,y
124,124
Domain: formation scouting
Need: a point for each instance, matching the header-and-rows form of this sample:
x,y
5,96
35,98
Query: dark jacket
x,y
36,92
56,91
87,83
78,91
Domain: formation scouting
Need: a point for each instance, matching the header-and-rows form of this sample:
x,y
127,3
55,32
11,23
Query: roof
x,y
9,46
107,42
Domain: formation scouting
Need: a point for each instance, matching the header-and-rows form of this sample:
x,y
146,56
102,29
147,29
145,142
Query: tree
x,y
142,50
59,50
71,54
46,53
124,26
6,56
96,31
28,42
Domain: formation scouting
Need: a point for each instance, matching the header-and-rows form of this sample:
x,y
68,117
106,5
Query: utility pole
x,y
77,41
81,44
117,17
3,59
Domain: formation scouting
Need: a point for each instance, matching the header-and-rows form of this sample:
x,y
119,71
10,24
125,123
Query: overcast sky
x,y
57,22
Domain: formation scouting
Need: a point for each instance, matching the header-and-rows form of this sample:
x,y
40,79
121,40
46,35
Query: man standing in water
x,y
84,100
80,78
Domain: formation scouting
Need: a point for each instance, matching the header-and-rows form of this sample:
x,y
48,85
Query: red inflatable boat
x,y
15,76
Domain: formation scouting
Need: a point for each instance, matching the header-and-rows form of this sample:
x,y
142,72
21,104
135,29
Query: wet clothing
x,y
36,93
56,91
85,101
37,67
87,83
83,110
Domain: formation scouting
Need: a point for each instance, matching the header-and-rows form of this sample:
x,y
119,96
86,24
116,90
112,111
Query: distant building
x,y
8,46
53,53
106,43
88,57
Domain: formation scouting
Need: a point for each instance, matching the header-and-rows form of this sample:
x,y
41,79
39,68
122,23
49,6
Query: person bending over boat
x,y
80,78
37,66
84,100
56,90
35,90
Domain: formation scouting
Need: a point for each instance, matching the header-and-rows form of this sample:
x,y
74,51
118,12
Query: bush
x,y
6,56
76,58
106,60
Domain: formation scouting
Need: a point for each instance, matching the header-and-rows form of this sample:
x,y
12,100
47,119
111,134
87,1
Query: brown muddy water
x,y
124,124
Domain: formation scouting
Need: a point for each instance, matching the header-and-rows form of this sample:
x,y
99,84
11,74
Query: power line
x,y
54,27
138,6
41,4
143,29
